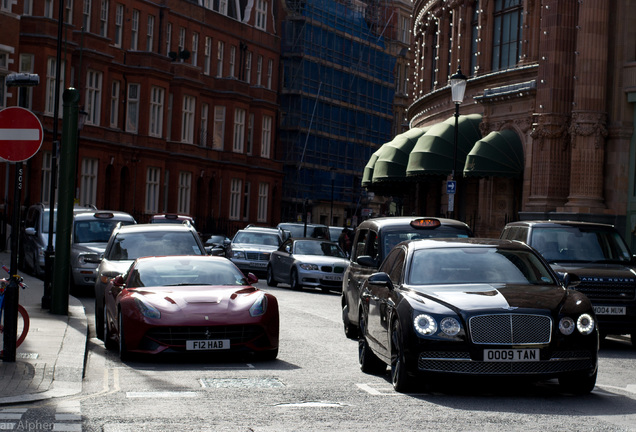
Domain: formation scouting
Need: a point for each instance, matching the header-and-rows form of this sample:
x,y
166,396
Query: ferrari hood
x,y
476,297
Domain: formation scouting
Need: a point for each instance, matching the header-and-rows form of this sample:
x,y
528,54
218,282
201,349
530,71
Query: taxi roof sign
x,y
425,223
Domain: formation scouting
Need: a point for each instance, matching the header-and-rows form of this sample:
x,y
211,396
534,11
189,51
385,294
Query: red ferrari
x,y
179,304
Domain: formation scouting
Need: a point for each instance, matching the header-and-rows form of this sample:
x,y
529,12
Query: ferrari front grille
x,y
179,335
507,329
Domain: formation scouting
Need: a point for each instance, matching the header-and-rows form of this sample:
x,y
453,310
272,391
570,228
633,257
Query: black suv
x,y
372,241
599,256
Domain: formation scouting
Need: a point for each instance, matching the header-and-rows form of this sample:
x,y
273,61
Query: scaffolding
x,y
336,101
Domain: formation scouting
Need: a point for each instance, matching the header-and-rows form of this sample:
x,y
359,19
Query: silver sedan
x,y
307,262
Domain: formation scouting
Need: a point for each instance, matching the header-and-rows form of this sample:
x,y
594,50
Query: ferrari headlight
x,y
147,310
259,307
306,266
425,325
450,326
566,326
585,324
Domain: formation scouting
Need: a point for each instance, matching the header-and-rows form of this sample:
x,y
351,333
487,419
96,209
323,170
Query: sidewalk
x,y
50,361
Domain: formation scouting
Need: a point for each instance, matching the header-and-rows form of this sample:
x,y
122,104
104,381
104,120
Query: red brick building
x,y
551,91
180,99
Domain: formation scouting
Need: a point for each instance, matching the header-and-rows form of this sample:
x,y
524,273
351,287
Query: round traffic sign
x,y
20,134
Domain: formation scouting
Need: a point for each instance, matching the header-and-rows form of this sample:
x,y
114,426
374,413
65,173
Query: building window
x,y
25,94
404,31
150,33
68,12
223,7
207,55
263,199
203,130
185,190
508,22
93,100
219,127
45,193
259,70
232,61
169,116
187,119
250,134
103,19
48,8
155,126
88,182
270,73
114,104
219,58
132,108
182,36
248,67
246,200
28,7
266,137
86,15
50,87
236,186
239,130
153,178
134,30
195,49
261,14
119,24
168,38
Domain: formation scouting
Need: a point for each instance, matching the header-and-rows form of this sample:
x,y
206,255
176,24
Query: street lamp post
x,y
458,88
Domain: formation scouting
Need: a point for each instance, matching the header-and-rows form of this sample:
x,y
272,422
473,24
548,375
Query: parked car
x,y
34,237
90,235
476,307
129,242
297,229
251,247
599,256
189,304
306,262
372,241
216,244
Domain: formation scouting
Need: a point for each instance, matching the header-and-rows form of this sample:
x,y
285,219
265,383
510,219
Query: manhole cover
x,y
241,382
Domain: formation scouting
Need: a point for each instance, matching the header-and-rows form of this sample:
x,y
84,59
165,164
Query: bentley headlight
x,y
566,326
450,326
259,307
585,324
306,266
425,325
147,310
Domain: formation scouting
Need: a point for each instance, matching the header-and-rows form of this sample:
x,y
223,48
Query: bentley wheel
x,y
399,377
578,384
294,282
369,362
270,277
123,351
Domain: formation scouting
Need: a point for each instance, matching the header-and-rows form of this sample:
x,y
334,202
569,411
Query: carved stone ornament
x,y
589,124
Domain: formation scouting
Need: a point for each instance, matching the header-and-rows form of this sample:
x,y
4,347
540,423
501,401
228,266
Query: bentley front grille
x,y
508,329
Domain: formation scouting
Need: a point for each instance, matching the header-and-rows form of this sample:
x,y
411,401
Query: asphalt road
x,y
316,385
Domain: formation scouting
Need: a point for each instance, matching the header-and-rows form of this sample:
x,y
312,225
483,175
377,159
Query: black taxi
x,y
372,241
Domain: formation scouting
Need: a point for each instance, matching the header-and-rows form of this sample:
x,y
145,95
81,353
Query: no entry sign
x,y
20,134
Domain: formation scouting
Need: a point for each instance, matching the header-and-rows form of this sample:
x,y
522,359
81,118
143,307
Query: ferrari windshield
x,y
477,265
173,271
579,244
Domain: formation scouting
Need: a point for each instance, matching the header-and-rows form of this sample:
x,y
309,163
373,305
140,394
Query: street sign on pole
x,y
20,134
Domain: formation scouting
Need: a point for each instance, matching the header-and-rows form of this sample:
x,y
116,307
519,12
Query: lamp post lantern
x,y
458,88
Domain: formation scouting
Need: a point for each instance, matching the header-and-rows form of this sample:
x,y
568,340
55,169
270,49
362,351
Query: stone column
x,y
589,118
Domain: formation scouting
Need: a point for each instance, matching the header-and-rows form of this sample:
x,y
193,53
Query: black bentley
x,y
476,307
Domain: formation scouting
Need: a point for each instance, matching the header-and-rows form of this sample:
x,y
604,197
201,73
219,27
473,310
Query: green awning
x,y
499,154
433,153
393,156
367,175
